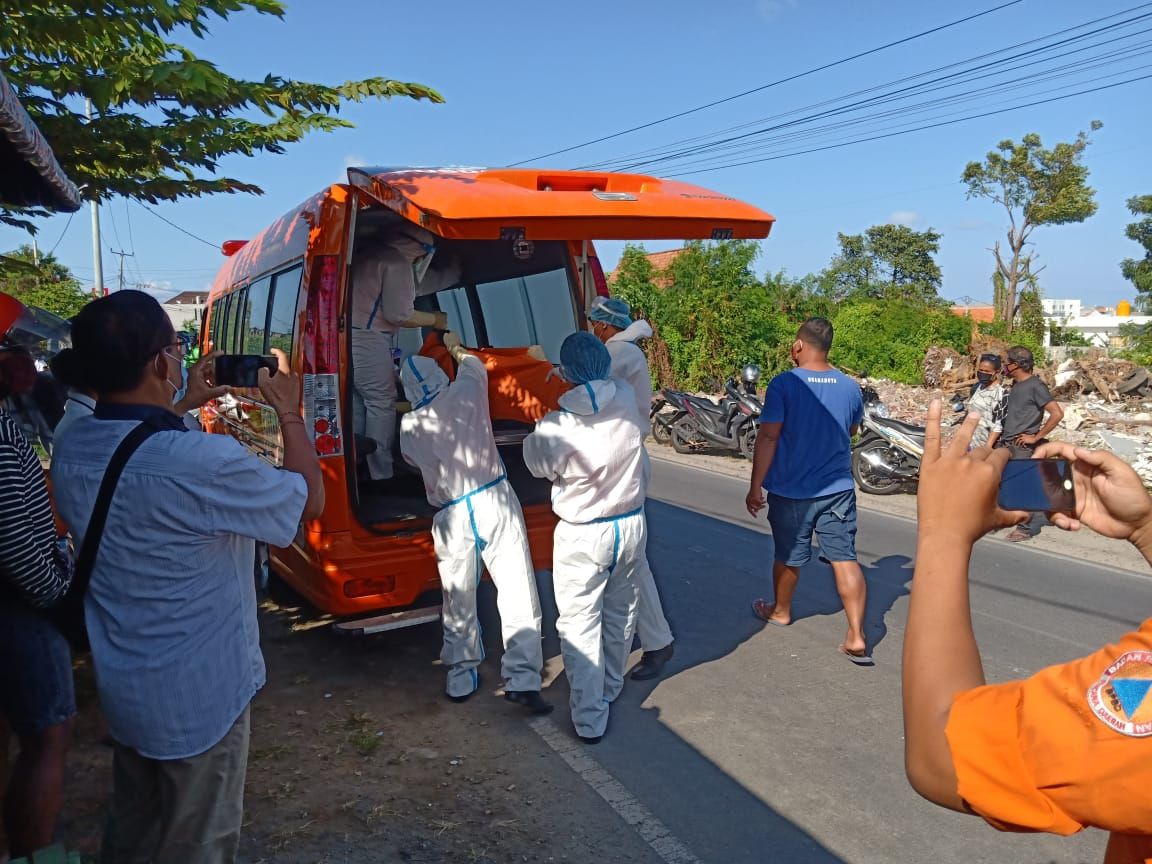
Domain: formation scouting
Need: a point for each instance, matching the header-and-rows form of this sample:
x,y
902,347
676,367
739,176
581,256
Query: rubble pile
x,y
1107,401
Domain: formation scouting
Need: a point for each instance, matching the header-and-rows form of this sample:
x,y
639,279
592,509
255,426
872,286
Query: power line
x,y
664,151
771,84
67,225
1029,81
178,228
918,128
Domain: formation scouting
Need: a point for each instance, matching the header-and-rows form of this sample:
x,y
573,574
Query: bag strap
x,y
91,544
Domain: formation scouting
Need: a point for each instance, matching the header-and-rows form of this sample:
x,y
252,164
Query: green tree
x,y
1139,271
888,338
891,261
1036,186
715,315
41,281
1065,337
163,117
634,281
1031,315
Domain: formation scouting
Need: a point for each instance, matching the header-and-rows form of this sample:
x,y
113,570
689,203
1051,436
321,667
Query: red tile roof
x,y
982,314
659,261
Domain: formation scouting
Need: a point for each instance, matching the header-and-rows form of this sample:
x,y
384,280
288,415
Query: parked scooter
x,y
667,408
887,457
728,424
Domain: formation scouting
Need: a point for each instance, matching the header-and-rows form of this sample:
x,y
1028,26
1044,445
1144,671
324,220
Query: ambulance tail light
x,y
321,351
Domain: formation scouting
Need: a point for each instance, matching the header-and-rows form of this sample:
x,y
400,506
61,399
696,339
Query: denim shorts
x,y
831,518
36,688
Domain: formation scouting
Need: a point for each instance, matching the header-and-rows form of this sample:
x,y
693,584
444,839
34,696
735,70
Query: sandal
x,y
1018,536
762,609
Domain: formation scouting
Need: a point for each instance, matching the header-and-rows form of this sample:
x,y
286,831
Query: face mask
x,y
985,377
183,388
420,265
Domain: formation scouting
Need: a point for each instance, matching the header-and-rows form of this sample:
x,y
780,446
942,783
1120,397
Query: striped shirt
x,y
30,564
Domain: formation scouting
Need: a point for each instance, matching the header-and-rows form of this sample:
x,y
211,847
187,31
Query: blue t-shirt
x,y
814,454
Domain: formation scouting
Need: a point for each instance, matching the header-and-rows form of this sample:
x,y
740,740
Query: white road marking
x,y
655,833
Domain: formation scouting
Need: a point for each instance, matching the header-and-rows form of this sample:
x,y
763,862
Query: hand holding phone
x,y
1038,486
243,370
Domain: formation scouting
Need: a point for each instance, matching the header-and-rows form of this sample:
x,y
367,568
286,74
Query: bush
x,y
888,338
1033,343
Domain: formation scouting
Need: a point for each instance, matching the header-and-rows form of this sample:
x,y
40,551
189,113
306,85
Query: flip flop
x,y
762,609
863,659
1018,536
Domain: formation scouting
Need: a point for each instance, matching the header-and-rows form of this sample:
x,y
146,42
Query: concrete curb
x,y
1085,545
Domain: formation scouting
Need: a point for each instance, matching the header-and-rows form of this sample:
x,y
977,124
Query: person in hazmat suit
x,y
610,321
447,436
384,286
592,450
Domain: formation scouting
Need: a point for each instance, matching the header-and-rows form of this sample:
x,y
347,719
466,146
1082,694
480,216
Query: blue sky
x,y
522,79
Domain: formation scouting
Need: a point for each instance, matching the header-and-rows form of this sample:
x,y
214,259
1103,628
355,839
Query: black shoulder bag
x,y
68,613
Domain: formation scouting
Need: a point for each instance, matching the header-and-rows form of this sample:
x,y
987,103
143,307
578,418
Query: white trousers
x,y
651,625
374,397
594,571
487,529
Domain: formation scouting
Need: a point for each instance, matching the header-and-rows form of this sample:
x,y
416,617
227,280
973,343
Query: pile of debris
x,y
1113,380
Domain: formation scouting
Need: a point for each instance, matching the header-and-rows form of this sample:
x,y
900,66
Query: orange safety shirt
x,y
1067,749
520,387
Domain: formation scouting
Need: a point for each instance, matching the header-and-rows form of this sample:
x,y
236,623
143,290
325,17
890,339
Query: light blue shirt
x,y
171,608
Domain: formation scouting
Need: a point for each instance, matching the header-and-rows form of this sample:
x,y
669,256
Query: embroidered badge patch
x,y
1121,697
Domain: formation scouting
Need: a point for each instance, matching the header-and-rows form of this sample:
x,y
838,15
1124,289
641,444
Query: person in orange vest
x,y
1067,749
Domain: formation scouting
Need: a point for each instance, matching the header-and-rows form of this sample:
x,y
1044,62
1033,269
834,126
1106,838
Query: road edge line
x,y
670,848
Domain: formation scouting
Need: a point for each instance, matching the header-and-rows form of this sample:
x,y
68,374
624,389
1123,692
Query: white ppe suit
x,y
384,291
630,364
593,453
448,438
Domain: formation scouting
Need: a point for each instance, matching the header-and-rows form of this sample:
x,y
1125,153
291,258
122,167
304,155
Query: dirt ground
x,y
357,756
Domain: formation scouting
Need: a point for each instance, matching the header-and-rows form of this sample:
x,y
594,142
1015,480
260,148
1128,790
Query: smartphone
x,y
242,370
1038,485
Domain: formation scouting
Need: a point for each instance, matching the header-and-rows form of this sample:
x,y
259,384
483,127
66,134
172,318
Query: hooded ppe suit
x,y
383,298
593,453
448,437
630,364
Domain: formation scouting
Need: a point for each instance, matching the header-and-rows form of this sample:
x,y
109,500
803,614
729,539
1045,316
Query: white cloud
x,y
974,225
907,218
771,10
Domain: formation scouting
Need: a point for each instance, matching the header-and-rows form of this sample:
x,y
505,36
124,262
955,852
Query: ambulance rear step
x,y
391,621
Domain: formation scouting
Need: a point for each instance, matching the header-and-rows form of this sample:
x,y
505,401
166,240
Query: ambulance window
x,y
282,316
255,317
456,306
529,310
226,324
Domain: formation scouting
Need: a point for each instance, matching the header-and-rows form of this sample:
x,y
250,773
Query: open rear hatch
x,y
480,204
482,214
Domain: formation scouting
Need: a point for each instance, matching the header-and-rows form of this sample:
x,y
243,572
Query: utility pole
x,y
122,255
97,258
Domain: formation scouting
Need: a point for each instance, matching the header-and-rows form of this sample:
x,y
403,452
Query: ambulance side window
x,y
224,337
282,315
254,322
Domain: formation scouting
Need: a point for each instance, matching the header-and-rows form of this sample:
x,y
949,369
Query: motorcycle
x,y
730,423
667,408
887,457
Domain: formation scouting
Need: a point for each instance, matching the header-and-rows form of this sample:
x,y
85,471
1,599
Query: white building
x,y
184,307
1062,309
1103,330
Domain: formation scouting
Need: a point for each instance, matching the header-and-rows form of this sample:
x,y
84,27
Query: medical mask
x,y
985,377
183,388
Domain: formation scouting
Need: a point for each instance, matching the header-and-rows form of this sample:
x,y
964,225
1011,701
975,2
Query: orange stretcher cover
x,y
520,387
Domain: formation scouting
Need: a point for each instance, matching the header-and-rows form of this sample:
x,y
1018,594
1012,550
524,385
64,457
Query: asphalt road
x,y
764,744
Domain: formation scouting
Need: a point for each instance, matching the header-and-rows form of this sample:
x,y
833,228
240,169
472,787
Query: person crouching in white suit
x,y
592,451
447,436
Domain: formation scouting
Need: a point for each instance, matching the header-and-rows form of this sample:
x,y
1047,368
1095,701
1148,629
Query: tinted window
x,y
282,317
456,305
255,317
529,310
224,337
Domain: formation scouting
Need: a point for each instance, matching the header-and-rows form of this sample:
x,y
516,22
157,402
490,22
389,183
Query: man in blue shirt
x,y
171,605
803,462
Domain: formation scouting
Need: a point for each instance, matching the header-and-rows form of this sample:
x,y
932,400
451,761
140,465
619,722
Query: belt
x,y
481,543
475,491
604,519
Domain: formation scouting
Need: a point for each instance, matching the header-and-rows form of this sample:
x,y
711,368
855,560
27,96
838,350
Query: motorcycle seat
x,y
704,404
907,428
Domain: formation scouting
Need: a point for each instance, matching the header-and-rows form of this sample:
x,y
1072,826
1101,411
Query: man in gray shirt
x,y
1025,426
